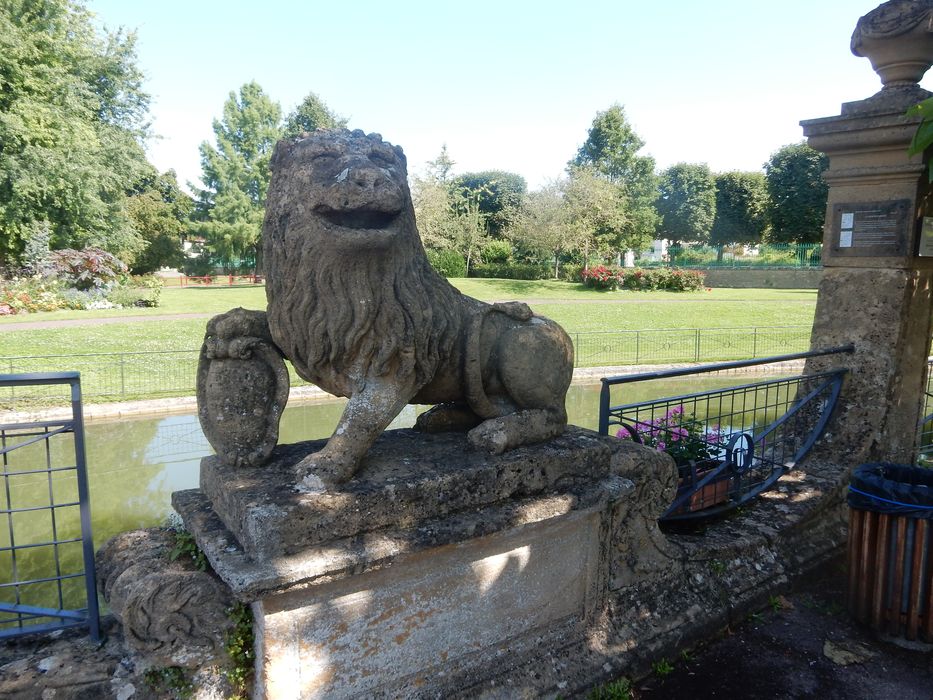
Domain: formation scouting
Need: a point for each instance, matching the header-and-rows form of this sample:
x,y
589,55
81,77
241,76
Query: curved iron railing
x,y
730,444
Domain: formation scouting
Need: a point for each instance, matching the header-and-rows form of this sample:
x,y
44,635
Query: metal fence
x,y
47,578
104,376
925,433
133,375
782,255
729,444
686,345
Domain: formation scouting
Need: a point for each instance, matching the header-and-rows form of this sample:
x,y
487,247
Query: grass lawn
x,y
579,310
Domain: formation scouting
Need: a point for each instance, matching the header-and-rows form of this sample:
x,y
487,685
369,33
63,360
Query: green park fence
x,y
788,256
141,375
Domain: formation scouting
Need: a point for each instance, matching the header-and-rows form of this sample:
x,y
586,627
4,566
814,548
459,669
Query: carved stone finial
x,y
897,37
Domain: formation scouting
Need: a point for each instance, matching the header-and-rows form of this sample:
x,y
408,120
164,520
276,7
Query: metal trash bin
x,y
890,557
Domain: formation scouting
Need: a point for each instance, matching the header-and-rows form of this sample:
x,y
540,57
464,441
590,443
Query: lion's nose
x,y
366,178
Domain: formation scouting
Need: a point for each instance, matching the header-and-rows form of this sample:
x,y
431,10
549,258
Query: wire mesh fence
x,y
778,255
137,375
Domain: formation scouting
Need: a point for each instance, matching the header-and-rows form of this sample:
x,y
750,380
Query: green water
x,y
134,465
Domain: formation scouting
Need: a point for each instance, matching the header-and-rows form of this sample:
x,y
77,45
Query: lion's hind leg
x,y
525,427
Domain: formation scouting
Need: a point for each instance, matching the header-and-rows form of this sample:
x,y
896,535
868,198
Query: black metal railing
x,y
133,375
47,579
925,432
729,444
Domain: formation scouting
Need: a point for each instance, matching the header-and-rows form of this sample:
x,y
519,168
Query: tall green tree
x,y
310,115
433,200
741,208
499,195
236,173
72,128
798,194
440,168
160,211
687,202
597,215
468,225
612,150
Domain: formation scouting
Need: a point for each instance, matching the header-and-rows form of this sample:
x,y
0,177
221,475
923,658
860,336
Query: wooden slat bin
x,y
890,554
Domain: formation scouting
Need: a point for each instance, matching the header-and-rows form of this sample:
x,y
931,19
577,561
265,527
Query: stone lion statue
x,y
358,309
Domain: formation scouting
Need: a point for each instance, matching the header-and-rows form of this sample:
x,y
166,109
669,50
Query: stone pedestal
x,y
876,289
427,572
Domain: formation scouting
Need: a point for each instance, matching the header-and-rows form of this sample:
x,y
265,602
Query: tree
x,y
611,149
499,195
597,214
468,224
687,202
741,208
310,115
160,211
439,168
543,224
236,173
433,203
72,128
798,194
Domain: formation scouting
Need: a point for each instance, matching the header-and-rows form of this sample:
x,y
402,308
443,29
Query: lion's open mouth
x,y
359,218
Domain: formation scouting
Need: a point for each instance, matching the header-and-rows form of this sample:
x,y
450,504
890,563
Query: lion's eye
x,y
380,158
323,160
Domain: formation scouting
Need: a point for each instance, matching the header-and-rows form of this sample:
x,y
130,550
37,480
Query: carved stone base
x,y
488,556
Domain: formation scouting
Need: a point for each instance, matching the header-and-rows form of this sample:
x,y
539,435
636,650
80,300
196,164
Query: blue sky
x,y
507,85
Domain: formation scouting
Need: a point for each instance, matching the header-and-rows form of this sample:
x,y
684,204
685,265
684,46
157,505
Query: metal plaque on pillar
x,y
871,229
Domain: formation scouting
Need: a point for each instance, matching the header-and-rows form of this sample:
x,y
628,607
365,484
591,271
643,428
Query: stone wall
x,y
767,278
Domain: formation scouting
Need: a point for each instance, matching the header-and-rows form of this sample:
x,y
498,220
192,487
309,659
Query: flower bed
x,y
612,277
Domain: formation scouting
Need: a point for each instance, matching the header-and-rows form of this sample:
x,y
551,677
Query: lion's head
x,y
349,287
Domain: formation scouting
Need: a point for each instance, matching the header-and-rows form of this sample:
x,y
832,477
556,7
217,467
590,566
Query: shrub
x,y
776,256
693,257
512,271
144,291
200,266
449,263
91,268
134,296
606,277
602,277
570,272
496,252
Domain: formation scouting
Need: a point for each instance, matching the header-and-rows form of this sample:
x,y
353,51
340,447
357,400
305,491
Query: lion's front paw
x,y
490,436
324,471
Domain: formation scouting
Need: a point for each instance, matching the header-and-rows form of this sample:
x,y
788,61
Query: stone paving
x,y
806,647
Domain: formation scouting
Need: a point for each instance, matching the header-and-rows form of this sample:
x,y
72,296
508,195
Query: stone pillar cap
x,y
897,37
